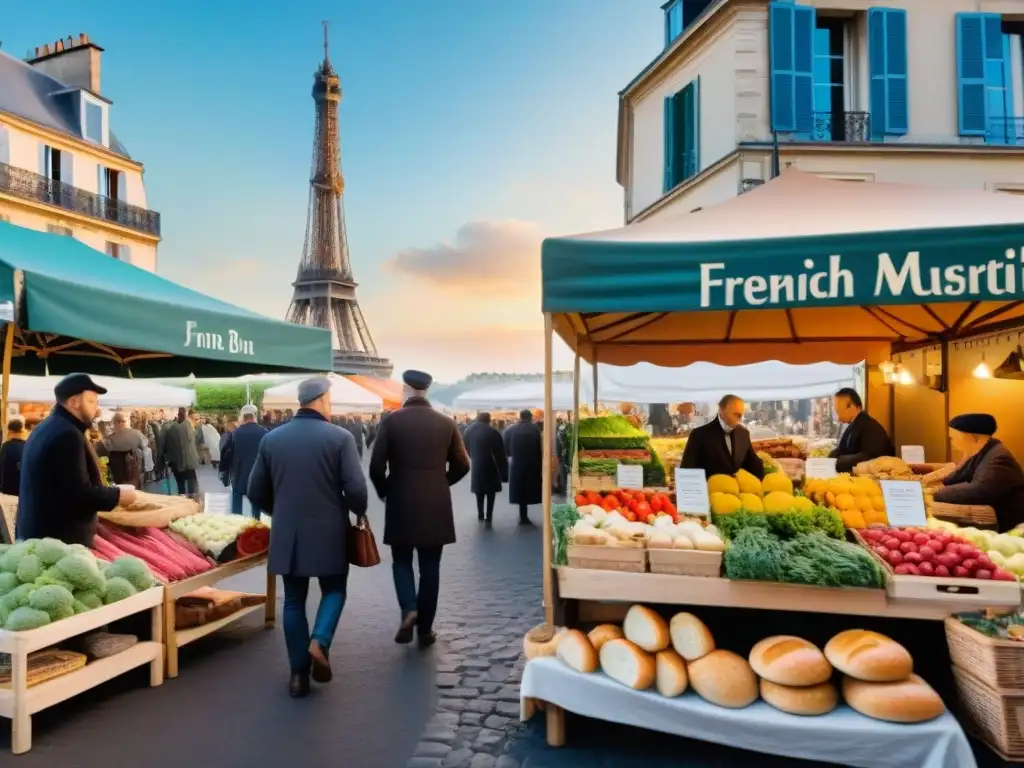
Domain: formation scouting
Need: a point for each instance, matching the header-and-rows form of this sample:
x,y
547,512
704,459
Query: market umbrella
x,y
128,393
346,397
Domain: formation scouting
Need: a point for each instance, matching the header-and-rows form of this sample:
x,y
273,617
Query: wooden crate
x,y
996,715
964,514
945,589
594,483
627,559
685,562
995,662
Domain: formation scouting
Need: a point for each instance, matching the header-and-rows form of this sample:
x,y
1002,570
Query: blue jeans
x,y
423,601
296,626
237,499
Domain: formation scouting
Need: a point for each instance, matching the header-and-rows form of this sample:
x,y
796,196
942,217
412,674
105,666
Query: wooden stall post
x,y
574,463
595,377
270,611
5,383
549,602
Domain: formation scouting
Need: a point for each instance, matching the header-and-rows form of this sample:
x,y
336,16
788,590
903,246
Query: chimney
x,y
74,61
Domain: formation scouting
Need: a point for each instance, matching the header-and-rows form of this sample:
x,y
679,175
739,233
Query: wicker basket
x,y
685,562
995,715
964,513
43,666
995,662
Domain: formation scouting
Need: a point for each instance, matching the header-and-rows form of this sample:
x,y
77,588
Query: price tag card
x,y
692,492
912,454
904,502
820,468
629,476
217,503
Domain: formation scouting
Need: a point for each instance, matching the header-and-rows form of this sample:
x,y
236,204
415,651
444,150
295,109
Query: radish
x,y
926,568
921,539
914,558
1001,574
901,535
895,557
970,564
912,569
908,546
903,569
927,554
960,572
891,543
983,573
941,570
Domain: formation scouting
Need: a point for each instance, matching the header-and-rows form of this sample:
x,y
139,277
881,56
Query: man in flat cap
x,y
238,454
61,485
417,455
988,474
307,476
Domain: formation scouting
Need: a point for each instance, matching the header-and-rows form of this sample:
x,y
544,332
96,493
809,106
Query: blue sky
x,y
470,129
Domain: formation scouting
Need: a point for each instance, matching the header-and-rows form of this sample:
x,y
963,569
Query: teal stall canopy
x,y
76,309
808,268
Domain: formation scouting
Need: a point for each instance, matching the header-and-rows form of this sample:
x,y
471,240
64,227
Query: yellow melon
x,y
779,481
748,483
802,504
751,502
723,484
864,485
777,501
845,501
862,502
725,503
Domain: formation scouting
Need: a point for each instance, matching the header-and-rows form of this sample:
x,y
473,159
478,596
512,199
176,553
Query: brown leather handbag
x,y
362,546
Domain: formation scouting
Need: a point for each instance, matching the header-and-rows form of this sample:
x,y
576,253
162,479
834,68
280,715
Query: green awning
x,y
81,310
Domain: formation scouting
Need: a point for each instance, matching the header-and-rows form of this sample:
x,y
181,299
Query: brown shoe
x,y
405,629
321,664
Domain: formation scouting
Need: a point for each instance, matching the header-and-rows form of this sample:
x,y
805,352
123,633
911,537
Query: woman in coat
x,y
488,464
525,450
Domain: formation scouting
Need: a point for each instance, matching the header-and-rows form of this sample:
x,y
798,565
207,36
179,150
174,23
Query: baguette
x,y
905,701
646,628
690,637
724,678
628,664
790,661
670,674
869,656
808,701
577,652
602,633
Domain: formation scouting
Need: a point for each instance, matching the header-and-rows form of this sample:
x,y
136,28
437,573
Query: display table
x,y
175,638
842,736
19,702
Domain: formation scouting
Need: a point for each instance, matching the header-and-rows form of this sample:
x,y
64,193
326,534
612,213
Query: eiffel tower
x,y
325,291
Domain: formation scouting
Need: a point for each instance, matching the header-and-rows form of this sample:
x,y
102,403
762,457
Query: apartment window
x,y
682,135
52,163
93,122
989,76
56,229
673,21
114,250
110,184
829,79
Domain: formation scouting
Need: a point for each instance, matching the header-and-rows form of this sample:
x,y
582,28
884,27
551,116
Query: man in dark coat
x,y
10,458
488,464
61,487
417,455
307,476
722,446
237,456
181,454
525,449
354,424
863,439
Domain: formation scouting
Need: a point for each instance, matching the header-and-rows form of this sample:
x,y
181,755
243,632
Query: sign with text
x,y
820,468
904,502
629,476
692,492
217,503
912,454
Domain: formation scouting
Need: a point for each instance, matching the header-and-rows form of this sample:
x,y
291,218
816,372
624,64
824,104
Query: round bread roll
x,y
690,637
809,700
788,660
869,656
577,652
541,641
646,628
671,677
724,678
625,663
602,633
905,701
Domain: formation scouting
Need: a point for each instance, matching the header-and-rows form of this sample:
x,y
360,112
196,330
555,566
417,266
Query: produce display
x,y
1003,625
599,527
780,448
46,580
1005,550
932,552
858,500
642,506
169,558
217,535
730,493
788,672
604,442
670,451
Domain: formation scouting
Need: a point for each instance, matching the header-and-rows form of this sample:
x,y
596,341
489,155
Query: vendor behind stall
x,y
61,490
864,438
722,446
988,475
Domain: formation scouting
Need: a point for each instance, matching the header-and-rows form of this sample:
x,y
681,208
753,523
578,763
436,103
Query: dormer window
x,y
673,20
95,119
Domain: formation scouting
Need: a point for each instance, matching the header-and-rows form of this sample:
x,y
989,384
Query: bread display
x,y
671,678
869,656
907,701
690,636
540,641
628,664
646,628
577,652
602,633
808,700
790,661
724,678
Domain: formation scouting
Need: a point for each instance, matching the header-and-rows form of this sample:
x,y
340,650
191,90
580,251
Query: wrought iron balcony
x,y
748,184
1006,130
32,186
842,126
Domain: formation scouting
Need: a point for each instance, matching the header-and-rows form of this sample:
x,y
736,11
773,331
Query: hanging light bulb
x,y
904,377
888,370
982,371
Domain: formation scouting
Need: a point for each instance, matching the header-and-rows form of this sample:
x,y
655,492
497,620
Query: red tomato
x,y
632,504
643,509
640,496
631,516
581,500
668,506
656,503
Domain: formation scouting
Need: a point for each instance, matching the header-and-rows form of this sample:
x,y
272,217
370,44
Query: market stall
x,y
121,393
389,390
865,270
519,395
346,397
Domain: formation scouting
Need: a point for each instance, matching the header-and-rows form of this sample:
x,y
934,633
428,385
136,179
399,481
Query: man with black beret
x,y
988,474
418,454
61,484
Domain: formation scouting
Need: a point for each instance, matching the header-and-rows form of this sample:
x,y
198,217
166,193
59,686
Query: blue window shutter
x,y
668,29
687,113
897,121
1009,133
696,125
970,71
803,69
670,154
780,46
877,90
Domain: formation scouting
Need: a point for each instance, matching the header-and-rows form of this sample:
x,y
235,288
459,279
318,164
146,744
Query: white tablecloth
x,y
842,737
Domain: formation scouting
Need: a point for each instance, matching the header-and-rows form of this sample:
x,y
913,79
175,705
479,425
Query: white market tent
x,y
121,393
346,396
521,394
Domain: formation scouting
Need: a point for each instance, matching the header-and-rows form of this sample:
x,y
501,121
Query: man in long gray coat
x,y
307,476
417,455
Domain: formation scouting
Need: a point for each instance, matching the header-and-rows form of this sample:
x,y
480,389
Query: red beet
x,y
891,543
914,558
926,568
960,572
903,569
970,564
895,557
921,539
941,570
983,573
927,553
1001,574
908,546
902,535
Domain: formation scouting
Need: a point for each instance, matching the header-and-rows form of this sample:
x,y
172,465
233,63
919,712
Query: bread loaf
x,y
541,641
905,701
788,660
625,663
808,700
690,637
671,677
724,678
577,652
602,633
646,628
869,656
